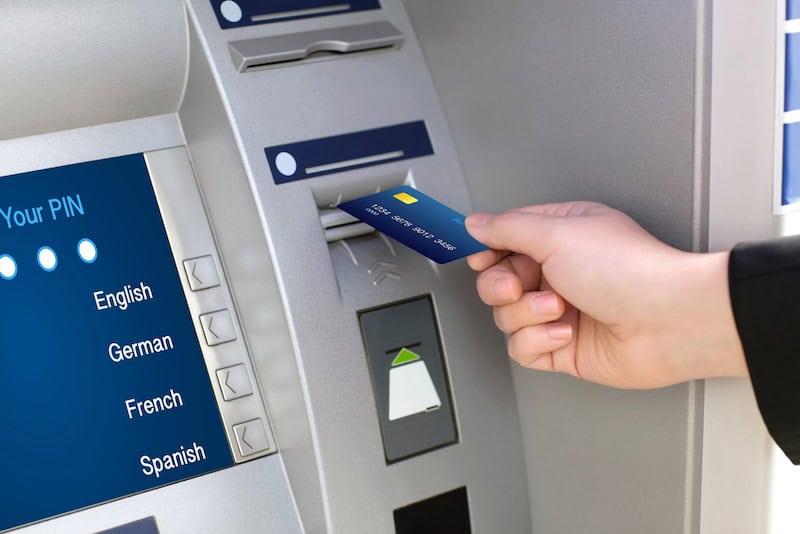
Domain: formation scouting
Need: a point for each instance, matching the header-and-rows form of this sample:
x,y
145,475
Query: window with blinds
x,y
790,101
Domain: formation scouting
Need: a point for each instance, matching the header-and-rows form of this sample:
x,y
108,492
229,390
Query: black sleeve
x,y
764,283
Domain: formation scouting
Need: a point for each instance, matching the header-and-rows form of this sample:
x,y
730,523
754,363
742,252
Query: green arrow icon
x,y
405,356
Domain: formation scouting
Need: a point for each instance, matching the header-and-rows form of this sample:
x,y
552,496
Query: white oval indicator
x,y
87,250
286,164
8,267
47,259
231,11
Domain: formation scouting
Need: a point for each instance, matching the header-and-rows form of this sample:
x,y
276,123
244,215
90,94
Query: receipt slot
x,y
411,389
412,394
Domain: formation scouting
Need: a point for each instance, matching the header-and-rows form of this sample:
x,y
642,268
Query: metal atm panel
x,y
339,96
274,280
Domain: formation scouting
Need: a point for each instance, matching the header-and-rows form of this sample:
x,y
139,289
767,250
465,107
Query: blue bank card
x,y
417,221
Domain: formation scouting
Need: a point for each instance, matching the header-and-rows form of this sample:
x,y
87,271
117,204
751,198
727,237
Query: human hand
x,y
582,289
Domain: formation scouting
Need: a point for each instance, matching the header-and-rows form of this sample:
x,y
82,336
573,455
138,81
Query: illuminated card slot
x,y
313,12
357,162
347,152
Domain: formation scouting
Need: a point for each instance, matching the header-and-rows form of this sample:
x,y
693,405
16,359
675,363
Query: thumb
x,y
532,234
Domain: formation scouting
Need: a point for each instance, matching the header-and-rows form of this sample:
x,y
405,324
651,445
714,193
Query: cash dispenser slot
x,y
252,54
446,512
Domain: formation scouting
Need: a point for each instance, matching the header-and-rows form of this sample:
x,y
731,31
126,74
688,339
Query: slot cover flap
x,y
265,51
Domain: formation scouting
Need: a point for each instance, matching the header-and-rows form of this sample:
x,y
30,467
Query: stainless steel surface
x,y
245,253
322,295
73,64
211,504
594,100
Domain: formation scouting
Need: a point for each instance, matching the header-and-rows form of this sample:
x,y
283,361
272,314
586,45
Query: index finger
x,y
528,233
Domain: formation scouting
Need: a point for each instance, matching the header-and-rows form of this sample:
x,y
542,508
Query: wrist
x,y
717,350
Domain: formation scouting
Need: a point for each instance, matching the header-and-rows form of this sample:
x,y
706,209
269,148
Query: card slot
x,y
331,218
348,231
342,165
330,193
315,11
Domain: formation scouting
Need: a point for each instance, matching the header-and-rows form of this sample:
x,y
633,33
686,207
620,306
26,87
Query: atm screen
x,y
105,389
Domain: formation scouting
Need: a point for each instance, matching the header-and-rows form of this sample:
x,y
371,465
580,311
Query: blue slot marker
x,y
238,13
347,152
417,221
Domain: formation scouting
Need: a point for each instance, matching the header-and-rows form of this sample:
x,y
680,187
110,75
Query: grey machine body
x,y
524,102
202,103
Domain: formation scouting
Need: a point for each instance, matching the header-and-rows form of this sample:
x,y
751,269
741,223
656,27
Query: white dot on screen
x,y
8,267
47,259
231,11
286,164
87,250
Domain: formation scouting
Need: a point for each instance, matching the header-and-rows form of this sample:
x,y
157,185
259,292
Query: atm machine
x,y
193,338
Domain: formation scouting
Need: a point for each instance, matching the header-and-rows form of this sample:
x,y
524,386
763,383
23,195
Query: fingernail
x,y
544,304
476,220
502,288
559,331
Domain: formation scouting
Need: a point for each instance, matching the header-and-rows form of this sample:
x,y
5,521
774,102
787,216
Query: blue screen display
x,y
105,389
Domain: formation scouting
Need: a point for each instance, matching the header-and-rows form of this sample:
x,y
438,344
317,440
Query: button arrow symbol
x,y
244,433
210,323
194,275
227,377
381,270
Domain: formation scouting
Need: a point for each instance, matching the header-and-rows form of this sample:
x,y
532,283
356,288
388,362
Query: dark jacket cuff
x,y
764,279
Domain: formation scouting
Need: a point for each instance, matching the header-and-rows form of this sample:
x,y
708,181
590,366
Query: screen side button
x,y
218,327
251,437
201,273
234,382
